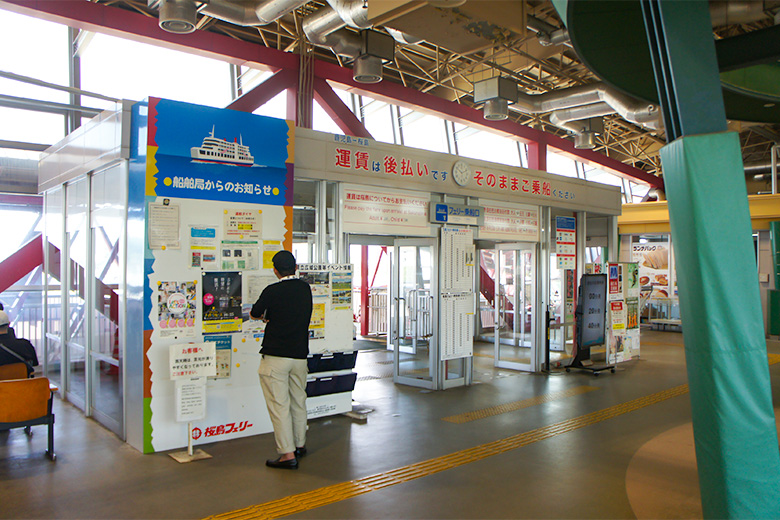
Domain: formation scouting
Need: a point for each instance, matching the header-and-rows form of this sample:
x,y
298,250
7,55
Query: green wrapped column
x,y
773,296
725,348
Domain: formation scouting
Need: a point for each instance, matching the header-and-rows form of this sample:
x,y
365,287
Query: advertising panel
x,y
653,260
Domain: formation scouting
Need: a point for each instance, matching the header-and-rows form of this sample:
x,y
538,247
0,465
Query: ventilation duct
x,y
250,14
371,49
177,16
496,93
628,108
546,33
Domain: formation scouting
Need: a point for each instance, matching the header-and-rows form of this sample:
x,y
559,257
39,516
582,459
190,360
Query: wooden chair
x,y
13,371
25,403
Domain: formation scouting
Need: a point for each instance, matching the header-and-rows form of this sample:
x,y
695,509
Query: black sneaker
x,y
282,464
301,452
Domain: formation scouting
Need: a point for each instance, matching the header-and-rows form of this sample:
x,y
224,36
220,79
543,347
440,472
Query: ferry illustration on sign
x,y
221,151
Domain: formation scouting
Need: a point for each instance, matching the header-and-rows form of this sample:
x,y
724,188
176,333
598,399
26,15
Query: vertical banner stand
x,y
191,364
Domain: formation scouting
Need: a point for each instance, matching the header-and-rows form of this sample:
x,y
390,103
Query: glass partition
x,y
76,232
53,208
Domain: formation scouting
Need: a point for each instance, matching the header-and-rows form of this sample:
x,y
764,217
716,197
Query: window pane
x,y
487,147
31,127
379,120
33,48
426,132
130,70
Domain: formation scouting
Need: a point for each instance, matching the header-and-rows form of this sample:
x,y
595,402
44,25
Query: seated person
x,y
13,345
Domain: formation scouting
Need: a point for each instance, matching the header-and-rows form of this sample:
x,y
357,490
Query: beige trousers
x,y
283,381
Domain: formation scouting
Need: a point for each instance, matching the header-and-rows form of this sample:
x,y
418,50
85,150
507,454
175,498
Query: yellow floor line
x,y
517,405
342,491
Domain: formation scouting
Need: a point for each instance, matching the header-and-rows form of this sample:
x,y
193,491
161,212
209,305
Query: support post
x,y
725,349
364,290
537,156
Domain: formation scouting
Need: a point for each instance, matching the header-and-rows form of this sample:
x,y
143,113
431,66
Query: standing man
x,y
286,308
13,349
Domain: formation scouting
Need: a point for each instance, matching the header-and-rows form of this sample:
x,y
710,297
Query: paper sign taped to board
x,y
190,399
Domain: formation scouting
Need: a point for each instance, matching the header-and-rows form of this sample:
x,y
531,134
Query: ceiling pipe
x,y
628,108
256,13
546,33
326,28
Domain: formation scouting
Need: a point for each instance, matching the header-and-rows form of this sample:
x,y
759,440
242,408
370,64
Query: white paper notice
x,y
255,283
163,226
458,259
380,210
505,221
190,360
191,399
457,326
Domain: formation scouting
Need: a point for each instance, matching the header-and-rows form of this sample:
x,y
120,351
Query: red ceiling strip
x,y
135,26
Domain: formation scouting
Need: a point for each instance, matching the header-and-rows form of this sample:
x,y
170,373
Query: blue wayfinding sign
x,y
441,212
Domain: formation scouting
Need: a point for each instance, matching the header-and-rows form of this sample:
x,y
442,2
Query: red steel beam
x,y
265,91
19,264
337,110
138,27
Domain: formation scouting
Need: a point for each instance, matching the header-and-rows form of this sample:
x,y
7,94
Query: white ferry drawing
x,y
219,150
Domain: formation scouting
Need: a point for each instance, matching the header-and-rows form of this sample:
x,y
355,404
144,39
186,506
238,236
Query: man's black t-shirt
x,y
287,307
19,345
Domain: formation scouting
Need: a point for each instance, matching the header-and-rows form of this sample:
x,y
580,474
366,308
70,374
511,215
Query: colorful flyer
x,y
176,308
222,302
341,290
243,224
223,345
319,281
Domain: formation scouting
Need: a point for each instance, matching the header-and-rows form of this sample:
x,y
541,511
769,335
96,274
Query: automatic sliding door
x,y
414,312
515,297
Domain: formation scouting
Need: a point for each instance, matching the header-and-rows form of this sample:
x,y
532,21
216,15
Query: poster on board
x,y
176,308
203,247
653,261
222,310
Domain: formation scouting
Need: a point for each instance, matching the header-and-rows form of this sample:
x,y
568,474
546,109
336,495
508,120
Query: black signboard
x,y
593,298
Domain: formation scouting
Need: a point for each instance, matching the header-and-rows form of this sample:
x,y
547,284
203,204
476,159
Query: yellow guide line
x,y
338,492
517,405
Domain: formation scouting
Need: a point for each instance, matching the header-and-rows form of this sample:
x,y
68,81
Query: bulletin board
x,y
331,326
212,227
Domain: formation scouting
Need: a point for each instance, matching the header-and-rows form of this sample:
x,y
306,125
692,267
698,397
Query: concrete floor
x,y
594,470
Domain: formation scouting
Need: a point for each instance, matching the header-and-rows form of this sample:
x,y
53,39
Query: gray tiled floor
x,y
579,474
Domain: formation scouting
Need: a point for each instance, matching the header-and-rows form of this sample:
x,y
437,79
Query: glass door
x,y
515,309
108,257
414,312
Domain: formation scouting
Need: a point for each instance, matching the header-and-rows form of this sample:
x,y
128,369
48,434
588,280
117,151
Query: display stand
x,y
591,315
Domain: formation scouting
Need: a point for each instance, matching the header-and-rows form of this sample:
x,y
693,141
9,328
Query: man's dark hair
x,y
284,263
